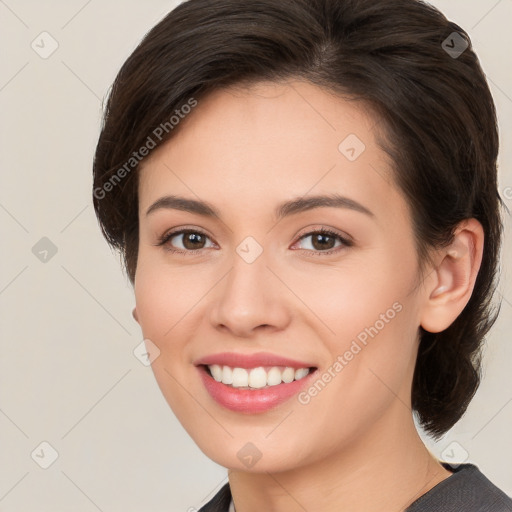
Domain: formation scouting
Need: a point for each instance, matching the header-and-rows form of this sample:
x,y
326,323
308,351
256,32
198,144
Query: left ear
x,y
452,281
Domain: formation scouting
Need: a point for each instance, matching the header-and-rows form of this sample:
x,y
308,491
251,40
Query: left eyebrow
x,y
285,209
303,204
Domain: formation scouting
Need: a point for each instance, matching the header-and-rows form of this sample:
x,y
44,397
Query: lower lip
x,y
251,401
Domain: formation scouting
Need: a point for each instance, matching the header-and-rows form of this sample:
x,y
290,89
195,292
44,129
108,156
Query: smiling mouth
x,y
260,377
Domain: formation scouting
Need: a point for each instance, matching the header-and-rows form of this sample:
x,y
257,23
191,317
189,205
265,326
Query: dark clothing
x,y
467,490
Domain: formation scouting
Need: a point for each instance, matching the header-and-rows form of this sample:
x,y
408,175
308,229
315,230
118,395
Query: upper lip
x,y
256,360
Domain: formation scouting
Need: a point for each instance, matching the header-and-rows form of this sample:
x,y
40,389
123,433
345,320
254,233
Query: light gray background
x,y
68,375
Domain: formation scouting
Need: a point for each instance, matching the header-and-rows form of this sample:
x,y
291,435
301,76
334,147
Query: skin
x,y
354,446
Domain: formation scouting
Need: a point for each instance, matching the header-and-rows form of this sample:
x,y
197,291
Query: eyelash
x,y
166,237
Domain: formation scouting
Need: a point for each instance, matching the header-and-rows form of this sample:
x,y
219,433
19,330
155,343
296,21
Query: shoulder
x,y
220,502
467,489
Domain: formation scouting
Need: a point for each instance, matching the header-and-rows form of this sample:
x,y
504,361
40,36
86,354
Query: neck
x,y
388,468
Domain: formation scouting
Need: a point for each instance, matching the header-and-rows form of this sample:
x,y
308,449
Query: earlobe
x,y
134,314
454,277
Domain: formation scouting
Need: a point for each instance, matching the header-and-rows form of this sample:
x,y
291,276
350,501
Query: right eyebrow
x,y
187,205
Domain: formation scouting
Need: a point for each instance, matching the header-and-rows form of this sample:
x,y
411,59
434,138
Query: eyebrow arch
x,y
285,209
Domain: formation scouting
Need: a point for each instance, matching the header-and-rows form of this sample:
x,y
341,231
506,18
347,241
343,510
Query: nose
x,y
250,299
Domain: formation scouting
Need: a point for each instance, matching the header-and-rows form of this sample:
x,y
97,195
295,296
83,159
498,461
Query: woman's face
x,y
264,291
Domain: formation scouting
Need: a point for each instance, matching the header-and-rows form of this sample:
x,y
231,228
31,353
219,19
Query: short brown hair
x,y
404,58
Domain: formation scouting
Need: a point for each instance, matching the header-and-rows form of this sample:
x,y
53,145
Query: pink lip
x,y
250,361
246,400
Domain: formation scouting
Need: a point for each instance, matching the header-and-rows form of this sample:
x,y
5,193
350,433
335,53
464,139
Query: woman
x,y
305,197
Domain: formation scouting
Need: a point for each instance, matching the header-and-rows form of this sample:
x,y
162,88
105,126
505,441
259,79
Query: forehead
x,y
269,142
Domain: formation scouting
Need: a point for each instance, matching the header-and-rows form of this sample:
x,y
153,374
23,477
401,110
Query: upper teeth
x,y
256,377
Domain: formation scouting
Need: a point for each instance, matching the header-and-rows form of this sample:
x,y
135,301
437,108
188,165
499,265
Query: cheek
x,y
352,294
166,295
369,327
364,380
165,300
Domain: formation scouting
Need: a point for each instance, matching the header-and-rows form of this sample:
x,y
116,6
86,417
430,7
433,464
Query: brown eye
x,y
185,241
192,240
323,241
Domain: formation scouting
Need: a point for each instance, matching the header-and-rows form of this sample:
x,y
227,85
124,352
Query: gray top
x,y
467,490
